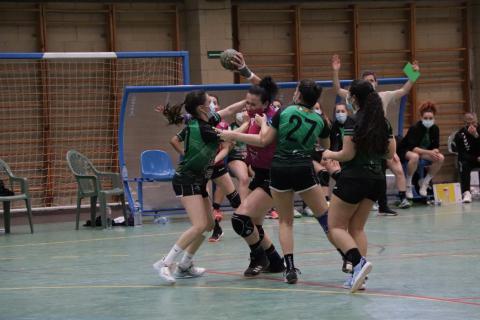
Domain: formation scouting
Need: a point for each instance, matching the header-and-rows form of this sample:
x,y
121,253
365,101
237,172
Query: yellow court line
x,y
328,292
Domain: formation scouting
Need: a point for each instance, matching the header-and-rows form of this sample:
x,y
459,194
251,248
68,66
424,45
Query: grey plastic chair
x,y
89,181
24,195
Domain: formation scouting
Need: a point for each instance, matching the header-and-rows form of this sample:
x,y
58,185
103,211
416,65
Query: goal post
x,y
55,101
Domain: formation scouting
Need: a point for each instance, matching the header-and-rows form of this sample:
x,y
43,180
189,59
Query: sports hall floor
x,y
426,266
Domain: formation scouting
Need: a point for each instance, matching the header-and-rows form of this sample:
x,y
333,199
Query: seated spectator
x,y
467,145
422,142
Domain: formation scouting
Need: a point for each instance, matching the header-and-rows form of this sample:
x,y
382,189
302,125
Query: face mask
x,y
349,104
212,107
341,117
319,112
239,117
427,123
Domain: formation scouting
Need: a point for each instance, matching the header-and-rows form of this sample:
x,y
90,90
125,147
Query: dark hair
x,y
192,101
367,73
371,129
310,92
267,90
428,106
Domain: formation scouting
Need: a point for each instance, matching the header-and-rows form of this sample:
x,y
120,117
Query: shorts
x,y
185,190
354,190
296,178
236,156
218,171
261,179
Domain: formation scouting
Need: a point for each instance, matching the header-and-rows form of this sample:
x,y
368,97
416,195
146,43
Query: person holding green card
x,y
413,72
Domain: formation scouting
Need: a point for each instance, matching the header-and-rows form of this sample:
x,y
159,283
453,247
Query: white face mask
x,y
428,123
318,111
341,117
212,107
239,117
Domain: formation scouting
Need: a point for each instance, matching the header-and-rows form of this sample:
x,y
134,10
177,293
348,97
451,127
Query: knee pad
x,y
234,199
324,178
261,232
242,225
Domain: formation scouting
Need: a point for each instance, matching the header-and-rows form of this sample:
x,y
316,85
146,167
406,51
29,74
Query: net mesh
x,y
50,106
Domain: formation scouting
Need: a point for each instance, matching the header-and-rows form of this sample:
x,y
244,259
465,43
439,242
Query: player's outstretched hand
x,y
415,65
336,63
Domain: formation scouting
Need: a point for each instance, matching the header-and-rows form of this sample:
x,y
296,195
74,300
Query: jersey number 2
x,y
298,124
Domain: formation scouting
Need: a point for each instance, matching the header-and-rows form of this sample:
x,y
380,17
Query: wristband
x,y
245,72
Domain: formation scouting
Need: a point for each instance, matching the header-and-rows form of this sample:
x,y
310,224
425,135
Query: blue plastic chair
x,y
155,165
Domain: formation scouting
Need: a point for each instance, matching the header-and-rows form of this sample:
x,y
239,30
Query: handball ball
x,y
226,58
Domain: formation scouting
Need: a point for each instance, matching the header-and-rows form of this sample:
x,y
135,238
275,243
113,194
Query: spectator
x,y
422,142
467,145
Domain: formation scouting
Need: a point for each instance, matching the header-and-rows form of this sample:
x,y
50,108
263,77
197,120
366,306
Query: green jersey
x,y
364,165
298,129
200,144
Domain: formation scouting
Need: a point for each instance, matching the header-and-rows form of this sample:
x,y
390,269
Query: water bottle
x,y
108,214
160,220
137,218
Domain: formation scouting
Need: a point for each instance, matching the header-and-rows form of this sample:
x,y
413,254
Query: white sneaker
x,y
409,192
348,283
360,272
308,212
189,272
296,213
164,271
467,197
423,190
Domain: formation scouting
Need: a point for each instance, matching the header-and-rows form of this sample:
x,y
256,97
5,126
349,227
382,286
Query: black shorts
x,y
354,190
296,178
218,171
261,179
236,156
185,190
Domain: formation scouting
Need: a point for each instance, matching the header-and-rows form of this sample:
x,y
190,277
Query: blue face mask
x,y
341,117
348,103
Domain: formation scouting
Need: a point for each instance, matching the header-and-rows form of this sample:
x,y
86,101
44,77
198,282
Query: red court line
x,y
385,293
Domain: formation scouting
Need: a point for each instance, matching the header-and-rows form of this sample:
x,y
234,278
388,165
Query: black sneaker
x,y
347,266
217,235
258,263
291,276
275,266
386,212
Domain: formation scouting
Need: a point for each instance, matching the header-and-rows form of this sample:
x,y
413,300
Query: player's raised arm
x,y
336,64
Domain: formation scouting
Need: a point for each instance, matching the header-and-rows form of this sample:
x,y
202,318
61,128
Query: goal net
x,y
142,128
53,102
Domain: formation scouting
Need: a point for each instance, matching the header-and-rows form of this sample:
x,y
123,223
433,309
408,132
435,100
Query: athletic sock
x,y
409,181
186,260
341,253
272,254
255,246
216,206
327,198
172,255
402,195
289,261
354,256
427,180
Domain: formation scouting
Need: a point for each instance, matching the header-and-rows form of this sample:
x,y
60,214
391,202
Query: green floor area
x,y
425,266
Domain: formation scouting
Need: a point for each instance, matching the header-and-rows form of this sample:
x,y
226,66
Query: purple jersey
x,y
259,157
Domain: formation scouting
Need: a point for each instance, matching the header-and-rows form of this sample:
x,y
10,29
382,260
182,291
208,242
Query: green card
x,y
410,73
